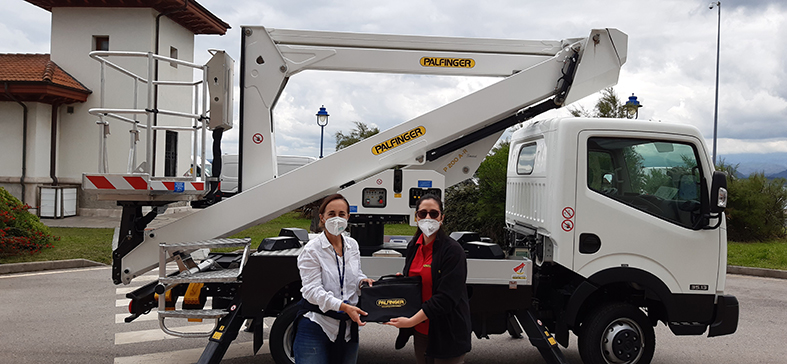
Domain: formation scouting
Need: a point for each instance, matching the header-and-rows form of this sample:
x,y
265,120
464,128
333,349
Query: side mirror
x,y
718,192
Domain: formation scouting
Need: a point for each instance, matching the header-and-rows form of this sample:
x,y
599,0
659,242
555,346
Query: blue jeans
x,y
312,346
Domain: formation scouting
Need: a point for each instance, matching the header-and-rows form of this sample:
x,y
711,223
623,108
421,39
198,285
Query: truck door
x,y
638,202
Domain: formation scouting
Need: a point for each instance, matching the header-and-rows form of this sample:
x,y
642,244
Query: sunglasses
x,y
432,213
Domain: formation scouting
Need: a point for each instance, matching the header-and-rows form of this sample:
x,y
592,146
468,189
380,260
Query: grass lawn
x,y
96,244
75,243
772,254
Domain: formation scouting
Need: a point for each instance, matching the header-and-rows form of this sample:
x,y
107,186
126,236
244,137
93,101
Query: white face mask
x,y
428,226
336,225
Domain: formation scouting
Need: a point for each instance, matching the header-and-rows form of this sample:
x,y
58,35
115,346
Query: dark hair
x,y
440,232
430,197
328,199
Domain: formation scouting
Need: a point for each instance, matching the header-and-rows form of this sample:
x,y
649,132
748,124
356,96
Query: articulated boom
x,y
552,73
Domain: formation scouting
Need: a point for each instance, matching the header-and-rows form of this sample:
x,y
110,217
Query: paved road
x,y
75,316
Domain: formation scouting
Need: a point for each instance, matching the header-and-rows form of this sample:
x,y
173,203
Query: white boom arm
x,y
533,71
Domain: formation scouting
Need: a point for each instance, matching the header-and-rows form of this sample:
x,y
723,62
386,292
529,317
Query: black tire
x,y
617,333
282,336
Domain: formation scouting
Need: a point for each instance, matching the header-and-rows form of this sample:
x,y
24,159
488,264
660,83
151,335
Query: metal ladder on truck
x,y
137,187
536,76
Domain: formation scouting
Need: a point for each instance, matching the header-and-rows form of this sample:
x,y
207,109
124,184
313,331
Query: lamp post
x,y
716,110
322,121
632,107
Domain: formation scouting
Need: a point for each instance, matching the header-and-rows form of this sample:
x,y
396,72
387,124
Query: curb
x,y
48,265
757,272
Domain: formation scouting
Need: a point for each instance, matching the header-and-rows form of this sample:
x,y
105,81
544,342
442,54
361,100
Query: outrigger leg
x,y
226,331
540,337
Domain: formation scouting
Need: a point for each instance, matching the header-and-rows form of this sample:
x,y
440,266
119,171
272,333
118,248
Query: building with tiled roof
x,y
34,77
49,139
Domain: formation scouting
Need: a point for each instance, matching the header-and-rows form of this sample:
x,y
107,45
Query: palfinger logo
x,y
391,302
447,62
398,140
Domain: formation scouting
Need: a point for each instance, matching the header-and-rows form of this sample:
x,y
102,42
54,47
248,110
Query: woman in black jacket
x,y
442,326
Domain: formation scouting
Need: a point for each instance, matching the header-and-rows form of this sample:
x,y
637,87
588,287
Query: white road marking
x,y
152,316
123,302
156,334
188,356
124,290
59,271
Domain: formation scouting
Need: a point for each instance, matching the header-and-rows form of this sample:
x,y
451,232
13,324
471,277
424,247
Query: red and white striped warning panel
x,y
177,186
138,183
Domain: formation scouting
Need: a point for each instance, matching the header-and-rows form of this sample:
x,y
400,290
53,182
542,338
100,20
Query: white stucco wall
x,y
172,98
129,29
38,147
11,140
39,138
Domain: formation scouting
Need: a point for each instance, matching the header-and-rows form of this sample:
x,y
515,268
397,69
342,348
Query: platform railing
x,y
199,118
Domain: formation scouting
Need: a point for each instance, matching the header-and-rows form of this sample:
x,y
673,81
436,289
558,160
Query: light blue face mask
x,y
336,225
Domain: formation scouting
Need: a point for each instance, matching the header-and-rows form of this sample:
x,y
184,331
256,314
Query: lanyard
x,y
342,270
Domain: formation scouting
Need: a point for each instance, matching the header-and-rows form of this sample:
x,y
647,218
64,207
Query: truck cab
x,y
624,206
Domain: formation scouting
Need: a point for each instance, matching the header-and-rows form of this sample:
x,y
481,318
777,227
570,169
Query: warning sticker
x,y
257,138
567,225
568,213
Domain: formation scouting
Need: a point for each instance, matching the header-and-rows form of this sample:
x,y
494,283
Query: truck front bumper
x,y
725,316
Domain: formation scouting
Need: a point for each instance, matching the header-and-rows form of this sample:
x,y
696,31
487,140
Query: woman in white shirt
x,y
330,269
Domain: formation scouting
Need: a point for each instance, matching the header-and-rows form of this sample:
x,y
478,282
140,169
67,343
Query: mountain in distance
x,y
773,165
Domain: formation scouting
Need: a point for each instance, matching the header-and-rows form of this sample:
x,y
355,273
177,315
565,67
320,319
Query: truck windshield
x,y
658,177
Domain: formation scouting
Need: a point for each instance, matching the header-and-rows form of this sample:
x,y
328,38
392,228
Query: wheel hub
x,y
622,342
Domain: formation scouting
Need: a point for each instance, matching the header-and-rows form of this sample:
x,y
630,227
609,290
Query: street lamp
x,y
716,110
632,107
322,121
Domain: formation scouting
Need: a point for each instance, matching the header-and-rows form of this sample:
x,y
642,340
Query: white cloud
x,y
671,60
752,146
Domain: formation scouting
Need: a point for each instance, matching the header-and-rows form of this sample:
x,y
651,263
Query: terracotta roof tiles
x,y
34,77
35,68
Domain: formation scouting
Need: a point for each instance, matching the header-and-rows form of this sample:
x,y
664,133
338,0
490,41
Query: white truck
x,y
614,225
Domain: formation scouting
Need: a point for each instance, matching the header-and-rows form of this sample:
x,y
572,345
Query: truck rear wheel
x,y
282,336
617,333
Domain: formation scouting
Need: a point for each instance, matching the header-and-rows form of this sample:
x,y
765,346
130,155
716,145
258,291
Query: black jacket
x,y
448,309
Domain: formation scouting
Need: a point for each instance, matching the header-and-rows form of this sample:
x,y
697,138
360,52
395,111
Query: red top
x,y
422,266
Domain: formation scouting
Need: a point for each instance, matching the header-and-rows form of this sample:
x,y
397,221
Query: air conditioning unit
x,y
57,201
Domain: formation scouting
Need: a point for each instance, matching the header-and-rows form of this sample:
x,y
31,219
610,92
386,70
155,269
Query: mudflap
x,y
725,316
540,337
226,331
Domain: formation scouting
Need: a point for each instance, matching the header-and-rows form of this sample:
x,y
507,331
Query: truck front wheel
x,y
282,336
617,333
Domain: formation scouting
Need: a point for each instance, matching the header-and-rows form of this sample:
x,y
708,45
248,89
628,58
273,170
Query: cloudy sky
x,y
671,61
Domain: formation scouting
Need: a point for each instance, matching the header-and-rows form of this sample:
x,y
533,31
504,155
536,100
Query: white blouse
x,y
320,280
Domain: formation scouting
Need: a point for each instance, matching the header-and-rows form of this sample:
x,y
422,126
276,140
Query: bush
x,y
755,206
20,231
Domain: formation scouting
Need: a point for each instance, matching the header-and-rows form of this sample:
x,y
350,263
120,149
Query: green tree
x,y
360,132
608,106
755,206
479,205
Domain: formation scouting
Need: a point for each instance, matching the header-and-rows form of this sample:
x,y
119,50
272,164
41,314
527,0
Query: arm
x,y
407,322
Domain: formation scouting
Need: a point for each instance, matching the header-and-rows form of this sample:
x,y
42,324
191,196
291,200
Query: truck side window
x,y
657,177
527,159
